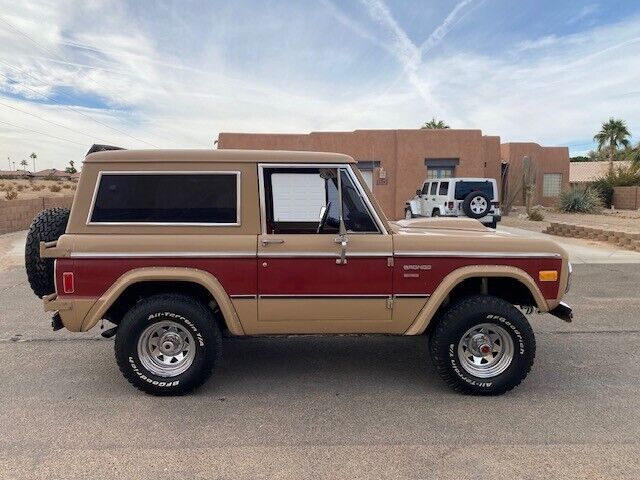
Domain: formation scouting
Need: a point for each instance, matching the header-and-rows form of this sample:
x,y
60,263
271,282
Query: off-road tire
x,y
436,212
462,316
466,205
408,214
493,225
47,226
191,315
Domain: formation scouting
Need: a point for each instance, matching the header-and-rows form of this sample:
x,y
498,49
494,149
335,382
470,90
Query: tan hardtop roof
x,y
222,155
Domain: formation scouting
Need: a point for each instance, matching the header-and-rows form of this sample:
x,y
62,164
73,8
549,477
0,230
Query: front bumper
x,y
563,312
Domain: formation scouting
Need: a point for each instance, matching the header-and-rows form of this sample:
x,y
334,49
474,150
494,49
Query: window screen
x,y
167,198
551,184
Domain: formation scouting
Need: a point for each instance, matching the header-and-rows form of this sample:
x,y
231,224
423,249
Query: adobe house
x,y
396,162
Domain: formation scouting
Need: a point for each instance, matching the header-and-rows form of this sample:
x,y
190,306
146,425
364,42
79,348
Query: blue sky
x,y
142,74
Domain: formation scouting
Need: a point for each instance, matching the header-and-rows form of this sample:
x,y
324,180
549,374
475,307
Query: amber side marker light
x,y
548,275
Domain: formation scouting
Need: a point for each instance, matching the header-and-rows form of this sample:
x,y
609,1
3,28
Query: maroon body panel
x,y
94,276
323,276
426,281
303,275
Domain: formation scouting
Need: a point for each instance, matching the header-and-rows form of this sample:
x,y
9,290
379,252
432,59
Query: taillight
x,y
67,282
450,205
495,204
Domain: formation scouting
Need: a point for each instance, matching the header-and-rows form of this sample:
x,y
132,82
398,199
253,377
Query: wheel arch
x,y
458,278
195,278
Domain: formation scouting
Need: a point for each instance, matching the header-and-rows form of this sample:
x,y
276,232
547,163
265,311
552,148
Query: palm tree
x,y
613,134
434,124
34,157
634,156
24,164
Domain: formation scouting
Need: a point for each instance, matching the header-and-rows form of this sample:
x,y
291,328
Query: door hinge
x,y
390,262
390,303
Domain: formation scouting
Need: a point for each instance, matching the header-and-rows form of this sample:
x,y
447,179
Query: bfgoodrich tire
x,y
167,344
482,345
48,226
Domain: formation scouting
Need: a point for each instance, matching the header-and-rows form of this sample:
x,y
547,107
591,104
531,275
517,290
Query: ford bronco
x,y
178,247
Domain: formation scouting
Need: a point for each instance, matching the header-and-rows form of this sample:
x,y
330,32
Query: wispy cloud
x,y
328,66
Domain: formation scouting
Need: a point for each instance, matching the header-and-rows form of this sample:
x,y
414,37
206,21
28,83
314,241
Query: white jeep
x,y
455,197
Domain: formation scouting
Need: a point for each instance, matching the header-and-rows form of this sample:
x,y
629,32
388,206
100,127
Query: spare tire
x,y
476,205
48,226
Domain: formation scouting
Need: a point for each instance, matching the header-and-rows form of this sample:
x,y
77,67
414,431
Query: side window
x,y
355,213
300,200
425,188
434,188
444,188
168,198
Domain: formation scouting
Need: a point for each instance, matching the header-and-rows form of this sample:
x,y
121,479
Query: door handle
x,y
342,241
269,241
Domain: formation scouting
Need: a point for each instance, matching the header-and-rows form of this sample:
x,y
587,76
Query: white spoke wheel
x,y
482,345
485,350
478,205
166,349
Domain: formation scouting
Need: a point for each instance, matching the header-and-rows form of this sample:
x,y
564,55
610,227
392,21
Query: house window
x,y
440,172
441,167
551,184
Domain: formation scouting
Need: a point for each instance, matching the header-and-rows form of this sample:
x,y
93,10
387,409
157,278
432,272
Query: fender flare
x,y
181,274
454,278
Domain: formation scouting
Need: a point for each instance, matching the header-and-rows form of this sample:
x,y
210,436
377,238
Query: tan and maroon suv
x,y
176,246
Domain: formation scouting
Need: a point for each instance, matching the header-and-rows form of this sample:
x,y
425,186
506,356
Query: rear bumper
x,y
70,313
563,312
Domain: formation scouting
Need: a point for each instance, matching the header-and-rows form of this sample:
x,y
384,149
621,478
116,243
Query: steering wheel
x,y
323,218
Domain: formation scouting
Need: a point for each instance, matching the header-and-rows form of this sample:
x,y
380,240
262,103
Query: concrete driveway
x,y
325,407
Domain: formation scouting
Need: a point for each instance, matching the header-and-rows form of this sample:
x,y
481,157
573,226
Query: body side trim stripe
x,y
479,254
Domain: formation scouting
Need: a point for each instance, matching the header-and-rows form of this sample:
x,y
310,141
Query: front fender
x,y
449,282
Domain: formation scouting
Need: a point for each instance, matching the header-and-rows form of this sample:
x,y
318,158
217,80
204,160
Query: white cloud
x,y
553,90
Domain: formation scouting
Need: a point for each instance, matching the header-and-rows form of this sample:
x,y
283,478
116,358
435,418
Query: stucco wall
x,y
545,160
401,154
626,198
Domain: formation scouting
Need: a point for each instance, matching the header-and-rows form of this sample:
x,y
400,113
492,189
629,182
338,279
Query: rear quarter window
x,y
167,198
465,188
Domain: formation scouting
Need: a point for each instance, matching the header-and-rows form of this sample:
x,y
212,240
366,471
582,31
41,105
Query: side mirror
x,y
418,192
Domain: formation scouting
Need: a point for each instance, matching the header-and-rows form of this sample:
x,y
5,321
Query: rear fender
x,y
147,274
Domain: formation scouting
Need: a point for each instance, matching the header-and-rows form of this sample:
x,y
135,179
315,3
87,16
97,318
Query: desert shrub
x,y
2,186
55,188
10,194
20,188
37,188
580,200
604,188
536,215
66,186
620,177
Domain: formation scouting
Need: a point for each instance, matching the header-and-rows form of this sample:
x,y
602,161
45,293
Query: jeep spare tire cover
x,y
48,226
476,205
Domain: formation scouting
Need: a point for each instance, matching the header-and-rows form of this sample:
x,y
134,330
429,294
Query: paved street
x,y
327,407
